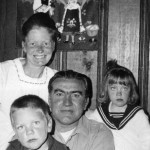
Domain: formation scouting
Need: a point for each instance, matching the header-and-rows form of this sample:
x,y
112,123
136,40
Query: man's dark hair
x,y
70,74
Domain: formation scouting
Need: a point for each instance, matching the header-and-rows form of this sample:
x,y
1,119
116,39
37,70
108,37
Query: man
x,y
69,98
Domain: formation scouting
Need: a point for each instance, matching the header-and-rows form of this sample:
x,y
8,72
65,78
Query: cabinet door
x,y
86,51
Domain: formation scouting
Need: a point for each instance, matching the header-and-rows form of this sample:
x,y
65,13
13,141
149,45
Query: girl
x,y
118,109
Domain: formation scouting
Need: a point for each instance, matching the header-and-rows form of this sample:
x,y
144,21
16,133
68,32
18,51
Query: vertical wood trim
x,y
103,37
64,60
10,30
57,61
2,26
143,53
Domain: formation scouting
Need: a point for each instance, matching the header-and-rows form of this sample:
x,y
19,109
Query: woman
x,y
27,75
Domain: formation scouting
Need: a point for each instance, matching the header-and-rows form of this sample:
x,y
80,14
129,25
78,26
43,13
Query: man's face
x,y
67,101
31,127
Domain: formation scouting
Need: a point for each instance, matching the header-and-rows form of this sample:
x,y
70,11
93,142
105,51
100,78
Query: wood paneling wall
x,y
123,33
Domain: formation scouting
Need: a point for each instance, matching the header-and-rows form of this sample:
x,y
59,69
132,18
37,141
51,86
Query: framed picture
x,y
78,24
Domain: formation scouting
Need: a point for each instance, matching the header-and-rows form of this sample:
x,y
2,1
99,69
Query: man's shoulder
x,y
94,126
97,135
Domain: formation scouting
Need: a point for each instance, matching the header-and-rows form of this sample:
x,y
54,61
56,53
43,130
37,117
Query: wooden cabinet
x,y
85,56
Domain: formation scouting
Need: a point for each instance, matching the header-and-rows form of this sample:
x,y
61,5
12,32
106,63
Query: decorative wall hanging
x,y
76,20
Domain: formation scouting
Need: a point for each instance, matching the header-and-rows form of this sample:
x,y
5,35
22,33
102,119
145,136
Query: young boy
x,y
32,124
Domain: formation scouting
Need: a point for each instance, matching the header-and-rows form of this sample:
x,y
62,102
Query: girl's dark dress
x,y
71,21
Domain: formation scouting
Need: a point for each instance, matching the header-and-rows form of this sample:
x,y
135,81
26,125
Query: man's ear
x,y
86,103
23,46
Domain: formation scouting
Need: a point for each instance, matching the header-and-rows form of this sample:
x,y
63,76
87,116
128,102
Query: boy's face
x,y
31,127
118,94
